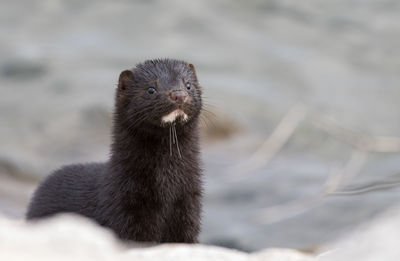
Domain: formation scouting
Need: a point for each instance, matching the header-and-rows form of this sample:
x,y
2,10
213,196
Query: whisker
x,y
170,140
210,104
177,144
207,122
173,133
209,113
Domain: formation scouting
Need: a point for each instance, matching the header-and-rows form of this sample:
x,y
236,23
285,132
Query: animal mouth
x,y
174,115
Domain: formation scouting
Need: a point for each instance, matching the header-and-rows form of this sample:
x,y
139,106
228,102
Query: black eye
x,y
187,85
151,90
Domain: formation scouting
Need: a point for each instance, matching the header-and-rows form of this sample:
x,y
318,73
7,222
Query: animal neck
x,y
139,152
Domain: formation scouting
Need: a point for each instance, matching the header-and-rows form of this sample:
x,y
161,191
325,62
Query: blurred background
x,y
301,143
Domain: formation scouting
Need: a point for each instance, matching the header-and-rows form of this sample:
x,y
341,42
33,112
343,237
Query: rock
x,y
61,238
378,240
75,238
281,255
69,237
177,252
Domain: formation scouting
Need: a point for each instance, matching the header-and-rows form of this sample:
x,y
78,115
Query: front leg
x,y
141,222
184,224
142,226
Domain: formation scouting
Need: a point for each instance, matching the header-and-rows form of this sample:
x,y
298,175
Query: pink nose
x,y
179,96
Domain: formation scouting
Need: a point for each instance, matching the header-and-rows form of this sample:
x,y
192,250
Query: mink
x,y
150,189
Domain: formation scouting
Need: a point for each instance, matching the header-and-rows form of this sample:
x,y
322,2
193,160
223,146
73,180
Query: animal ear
x,y
191,66
125,79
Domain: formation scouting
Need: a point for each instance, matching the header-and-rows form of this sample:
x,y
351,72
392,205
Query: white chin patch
x,y
172,116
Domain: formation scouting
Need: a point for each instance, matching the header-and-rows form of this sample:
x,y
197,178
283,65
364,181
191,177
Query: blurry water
x,y
255,59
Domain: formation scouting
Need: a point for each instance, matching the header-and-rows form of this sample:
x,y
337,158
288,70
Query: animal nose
x,y
179,96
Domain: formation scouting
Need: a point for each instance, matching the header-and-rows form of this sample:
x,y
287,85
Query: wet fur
x,y
150,189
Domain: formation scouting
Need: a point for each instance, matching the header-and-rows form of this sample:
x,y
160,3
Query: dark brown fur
x,y
148,190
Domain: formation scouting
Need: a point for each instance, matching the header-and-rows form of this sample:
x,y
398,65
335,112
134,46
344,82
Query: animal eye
x,y
187,85
151,90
